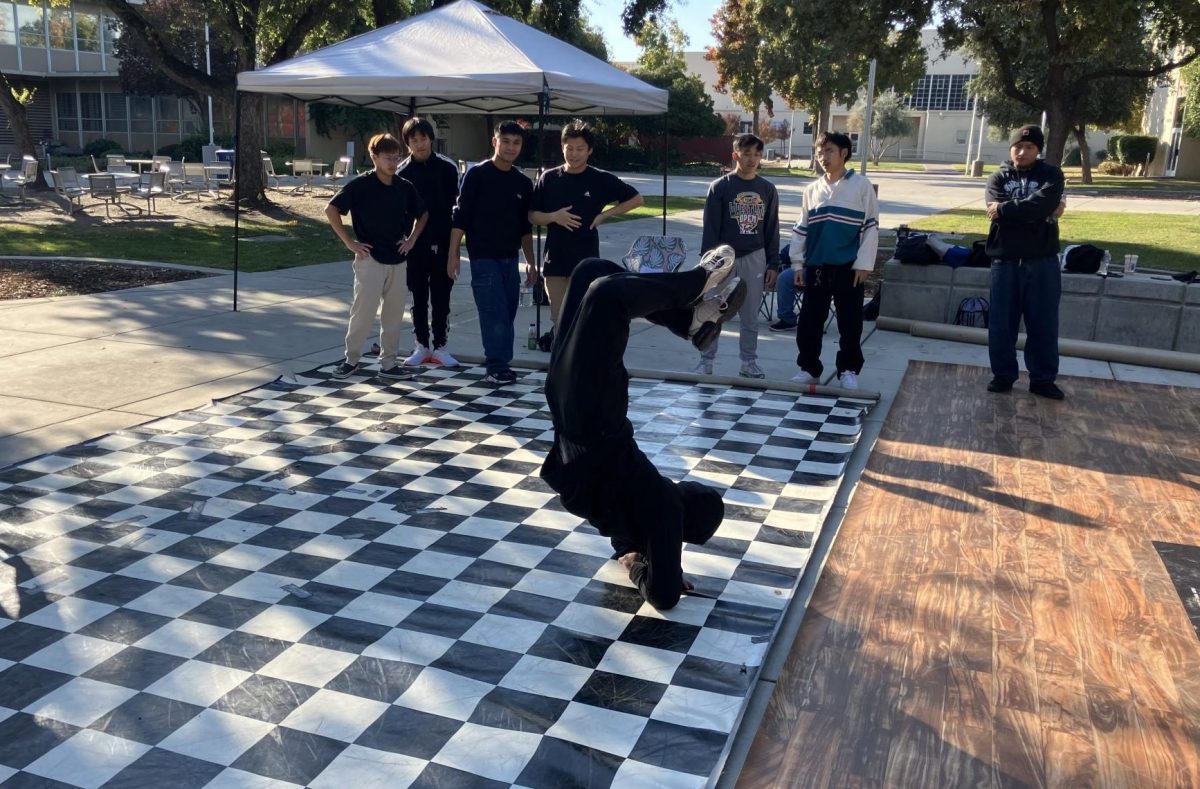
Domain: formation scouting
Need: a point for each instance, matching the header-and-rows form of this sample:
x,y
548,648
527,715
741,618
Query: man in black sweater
x,y
595,464
493,212
436,180
1024,201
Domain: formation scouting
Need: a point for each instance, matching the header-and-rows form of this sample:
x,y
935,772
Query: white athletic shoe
x,y
848,380
443,357
419,355
751,370
704,367
803,378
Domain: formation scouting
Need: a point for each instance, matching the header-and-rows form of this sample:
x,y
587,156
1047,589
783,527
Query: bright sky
x,y
693,16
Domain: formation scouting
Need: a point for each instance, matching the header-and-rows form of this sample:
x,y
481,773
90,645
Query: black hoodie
x,y
1026,227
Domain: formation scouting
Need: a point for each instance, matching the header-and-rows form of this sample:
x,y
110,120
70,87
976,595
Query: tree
x,y
690,110
738,57
814,57
1191,106
14,98
261,32
1055,55
890,123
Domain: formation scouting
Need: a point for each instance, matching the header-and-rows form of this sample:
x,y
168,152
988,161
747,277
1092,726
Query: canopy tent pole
x,y
237,191
666,145
543,103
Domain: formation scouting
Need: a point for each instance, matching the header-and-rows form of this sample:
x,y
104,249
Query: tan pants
x,y
556,289
376,284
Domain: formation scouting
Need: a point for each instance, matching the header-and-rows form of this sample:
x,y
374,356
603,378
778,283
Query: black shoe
x,y
999,385
1046,389
715,308
782,325
400,373
345,369
500,378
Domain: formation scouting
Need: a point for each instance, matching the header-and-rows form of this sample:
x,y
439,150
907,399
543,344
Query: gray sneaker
x,y
704,367
716,305
751,370
344,370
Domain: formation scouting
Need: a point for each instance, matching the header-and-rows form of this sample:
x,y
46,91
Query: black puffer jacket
x,y
1026,227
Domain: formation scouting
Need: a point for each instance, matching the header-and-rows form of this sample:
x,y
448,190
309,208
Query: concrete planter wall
x,y
1136,310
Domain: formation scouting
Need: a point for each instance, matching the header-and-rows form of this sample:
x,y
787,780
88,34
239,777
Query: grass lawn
x,y
297,240
1159,241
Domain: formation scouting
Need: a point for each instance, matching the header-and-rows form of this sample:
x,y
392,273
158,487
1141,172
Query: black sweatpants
x,y
595,464
429,283
821,285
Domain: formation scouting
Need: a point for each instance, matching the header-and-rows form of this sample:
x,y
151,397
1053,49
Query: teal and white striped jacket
x,y
839,223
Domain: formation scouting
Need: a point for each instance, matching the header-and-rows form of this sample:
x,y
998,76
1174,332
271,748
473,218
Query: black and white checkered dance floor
x,y
339,583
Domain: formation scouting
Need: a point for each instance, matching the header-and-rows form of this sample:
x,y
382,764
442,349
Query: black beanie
x,y
703,511
1030,133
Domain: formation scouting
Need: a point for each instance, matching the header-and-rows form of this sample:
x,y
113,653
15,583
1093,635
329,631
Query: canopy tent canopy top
x,y
460,58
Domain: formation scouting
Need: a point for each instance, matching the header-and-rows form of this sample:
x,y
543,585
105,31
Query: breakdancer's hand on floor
x,y
627,561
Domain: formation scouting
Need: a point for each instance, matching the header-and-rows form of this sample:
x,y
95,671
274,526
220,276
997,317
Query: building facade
x,y
1178,155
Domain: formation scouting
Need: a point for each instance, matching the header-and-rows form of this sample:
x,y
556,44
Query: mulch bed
x,y
39,279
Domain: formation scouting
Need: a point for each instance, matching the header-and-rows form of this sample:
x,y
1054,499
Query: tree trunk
x,y
754,119
1057,128
820,121
251,186
1085,155
17,117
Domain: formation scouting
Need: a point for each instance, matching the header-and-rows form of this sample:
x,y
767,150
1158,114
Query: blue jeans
x,y
496,286
1028,288
785,296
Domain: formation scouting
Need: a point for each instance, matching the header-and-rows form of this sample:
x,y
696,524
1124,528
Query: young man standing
x,y
833,251
493,212
742,210
1024,201
595,464
436,180
570,200
382,209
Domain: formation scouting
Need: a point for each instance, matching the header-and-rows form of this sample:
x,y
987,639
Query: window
x,y
114,109
110,29
90,118
87,31
281,118
31,23
939,92
61,34
960,137
190,122
958,92
747,127
807,128
68,112
168,115
8,24
141,114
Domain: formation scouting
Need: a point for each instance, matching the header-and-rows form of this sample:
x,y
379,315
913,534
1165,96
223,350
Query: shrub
x,y
1110,167
1112,147
101,147
1137,149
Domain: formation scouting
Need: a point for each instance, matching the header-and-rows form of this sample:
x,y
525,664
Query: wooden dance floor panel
x,y
332,583
995,611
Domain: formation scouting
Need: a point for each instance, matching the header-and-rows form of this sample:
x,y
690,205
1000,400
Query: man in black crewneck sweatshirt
x,y
493,212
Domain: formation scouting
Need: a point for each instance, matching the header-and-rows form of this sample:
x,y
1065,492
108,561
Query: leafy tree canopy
x,y
690,110
738,56
890,123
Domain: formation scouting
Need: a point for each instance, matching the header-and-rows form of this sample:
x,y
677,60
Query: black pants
x,y
428,282
821,285
595,465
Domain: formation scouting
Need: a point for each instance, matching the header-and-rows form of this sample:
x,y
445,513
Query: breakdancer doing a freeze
x,y
595,465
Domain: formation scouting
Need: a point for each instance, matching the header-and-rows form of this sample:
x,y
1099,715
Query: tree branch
x,y
1141,73
160,49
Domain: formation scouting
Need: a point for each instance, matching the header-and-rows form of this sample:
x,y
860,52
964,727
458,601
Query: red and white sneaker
x,y
443,357
419,356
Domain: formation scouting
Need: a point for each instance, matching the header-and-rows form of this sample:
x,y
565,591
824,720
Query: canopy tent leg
x,y
543,105
237,191
666,149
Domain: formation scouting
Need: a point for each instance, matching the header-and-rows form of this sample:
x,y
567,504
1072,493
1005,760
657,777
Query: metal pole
x,y
791,137
237,190
982,129
971,135
543,105
864,139
666,144
208,70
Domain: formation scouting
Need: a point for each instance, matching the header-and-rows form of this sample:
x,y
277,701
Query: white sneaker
x,y
418,356
703,368
751,370
803,378
443,357
848,380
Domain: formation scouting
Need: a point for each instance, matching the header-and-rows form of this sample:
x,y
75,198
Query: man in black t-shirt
x,y
382,208
570,200
436,180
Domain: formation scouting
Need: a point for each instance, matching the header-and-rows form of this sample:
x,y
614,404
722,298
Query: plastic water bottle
x,y
531,343
526,296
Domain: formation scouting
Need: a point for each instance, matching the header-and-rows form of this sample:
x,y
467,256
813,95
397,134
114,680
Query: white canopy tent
x,y
462,58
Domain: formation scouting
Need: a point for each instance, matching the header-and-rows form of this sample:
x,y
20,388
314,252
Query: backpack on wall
x,y
973,311
913,250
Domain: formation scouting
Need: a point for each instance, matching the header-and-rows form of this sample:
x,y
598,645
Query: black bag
x,y
914,251
541,296
871,309
979,256
1083,259
973,311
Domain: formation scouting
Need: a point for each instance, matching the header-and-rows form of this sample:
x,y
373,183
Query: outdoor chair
x,y
16,182
152,190
269,174
192,182
656,253
115,159
341,172
66,184
305,171
95,166
175,178
217,175
104,189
